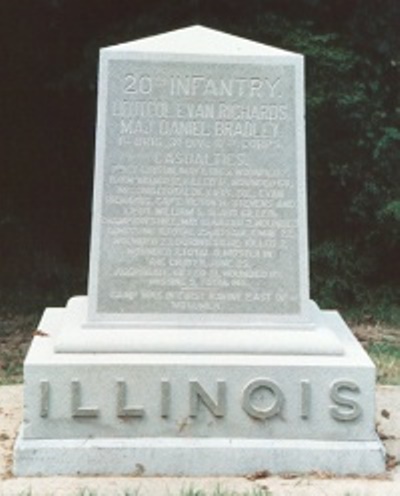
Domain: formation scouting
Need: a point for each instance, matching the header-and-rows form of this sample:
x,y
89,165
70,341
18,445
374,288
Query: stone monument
x,y
197,350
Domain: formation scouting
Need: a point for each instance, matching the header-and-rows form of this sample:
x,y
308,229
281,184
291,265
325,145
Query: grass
x,y
386,357
184,492
12,373
382,312
218,491
124,492
87,492
94,492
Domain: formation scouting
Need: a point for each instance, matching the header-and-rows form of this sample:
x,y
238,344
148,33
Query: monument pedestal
x,y
197,413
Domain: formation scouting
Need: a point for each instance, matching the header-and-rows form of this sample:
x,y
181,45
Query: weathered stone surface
x,y
200,190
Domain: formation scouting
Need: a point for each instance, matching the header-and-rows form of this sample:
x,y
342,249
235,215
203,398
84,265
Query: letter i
x,y
165,398
44,398
305,399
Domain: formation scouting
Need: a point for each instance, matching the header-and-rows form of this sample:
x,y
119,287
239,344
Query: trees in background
x,y
48,56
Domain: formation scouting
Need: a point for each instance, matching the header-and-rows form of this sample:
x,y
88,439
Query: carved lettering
x,y
196,158
261,399
44,398
204,86
346,409
199,395
79,411
305,399
258,387
124,411
165,398
138,84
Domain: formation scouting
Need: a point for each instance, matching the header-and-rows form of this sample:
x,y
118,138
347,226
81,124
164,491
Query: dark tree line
x,y
48,60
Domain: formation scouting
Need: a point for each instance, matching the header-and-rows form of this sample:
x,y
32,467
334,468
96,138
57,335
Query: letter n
x,y
199,395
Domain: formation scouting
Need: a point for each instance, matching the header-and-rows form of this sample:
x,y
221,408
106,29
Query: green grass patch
x,y
189,491
93,492
12,374
386,357
220,491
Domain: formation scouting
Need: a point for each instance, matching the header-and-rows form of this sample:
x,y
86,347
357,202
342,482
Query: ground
x,y
16,332
383,345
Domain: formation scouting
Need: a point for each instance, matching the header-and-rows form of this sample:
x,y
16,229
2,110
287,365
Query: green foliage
x,y
340,261
353,131
354,173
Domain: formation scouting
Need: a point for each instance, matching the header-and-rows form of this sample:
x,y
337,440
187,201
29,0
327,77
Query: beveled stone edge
x,y
175,457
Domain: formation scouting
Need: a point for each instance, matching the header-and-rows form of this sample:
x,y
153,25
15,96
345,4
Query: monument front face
x,y
199,207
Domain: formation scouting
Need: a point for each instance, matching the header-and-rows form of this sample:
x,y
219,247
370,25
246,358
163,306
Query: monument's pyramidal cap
x,y
198,40
198,334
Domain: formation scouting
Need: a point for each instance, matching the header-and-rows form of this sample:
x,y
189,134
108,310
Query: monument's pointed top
x,y
199,40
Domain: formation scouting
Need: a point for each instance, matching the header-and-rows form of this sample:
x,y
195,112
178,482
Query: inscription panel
x,y
199,209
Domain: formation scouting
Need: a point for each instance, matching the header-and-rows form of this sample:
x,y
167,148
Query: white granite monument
x,y
198,350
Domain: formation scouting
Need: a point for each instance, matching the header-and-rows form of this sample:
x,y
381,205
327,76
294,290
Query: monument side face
x,y
200,189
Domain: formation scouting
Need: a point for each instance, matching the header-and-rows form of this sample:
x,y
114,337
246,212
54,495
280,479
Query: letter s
x,y
350,410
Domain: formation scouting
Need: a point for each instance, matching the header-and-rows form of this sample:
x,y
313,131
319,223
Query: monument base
x,y
195,457
313,337
197,414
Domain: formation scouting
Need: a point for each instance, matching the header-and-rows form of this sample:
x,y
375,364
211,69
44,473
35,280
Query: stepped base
x,y
197,413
